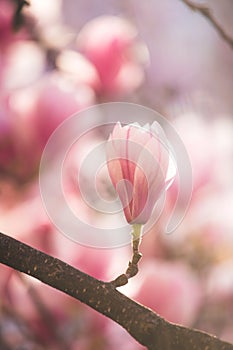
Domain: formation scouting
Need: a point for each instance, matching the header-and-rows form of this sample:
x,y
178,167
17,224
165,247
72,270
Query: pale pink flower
x,y
140,167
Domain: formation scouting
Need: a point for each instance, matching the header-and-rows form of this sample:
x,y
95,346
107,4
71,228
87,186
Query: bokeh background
x,y
59,57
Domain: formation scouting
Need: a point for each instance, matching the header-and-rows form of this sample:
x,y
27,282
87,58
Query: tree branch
x,y
207,13
18,18
145,326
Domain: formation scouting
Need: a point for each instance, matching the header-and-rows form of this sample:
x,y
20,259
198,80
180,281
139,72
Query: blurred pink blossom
x,y
110,43
55,101
196,134
220,283
205,225
210,147
170,289
25,62
78,69
37,231
93,261
43,106
31,113
48,23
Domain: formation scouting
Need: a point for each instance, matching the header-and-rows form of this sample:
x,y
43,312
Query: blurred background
x,y
58,57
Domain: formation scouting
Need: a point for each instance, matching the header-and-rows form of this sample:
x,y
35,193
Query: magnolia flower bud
x,y
140,167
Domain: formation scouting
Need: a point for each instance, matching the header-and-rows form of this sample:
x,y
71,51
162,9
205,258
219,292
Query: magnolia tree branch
x,y
206,12
145,326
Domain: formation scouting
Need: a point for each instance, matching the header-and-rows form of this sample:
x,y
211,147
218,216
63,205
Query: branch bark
x,y
207,13
145,326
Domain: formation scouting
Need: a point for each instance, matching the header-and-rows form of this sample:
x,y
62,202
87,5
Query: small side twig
x,y
132,269
207,13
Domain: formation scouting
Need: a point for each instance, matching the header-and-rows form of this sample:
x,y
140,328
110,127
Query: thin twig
x,y
132,269
207,13
18,18
145,326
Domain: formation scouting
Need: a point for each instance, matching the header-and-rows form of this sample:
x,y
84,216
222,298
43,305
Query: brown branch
x,y
145,326
207,13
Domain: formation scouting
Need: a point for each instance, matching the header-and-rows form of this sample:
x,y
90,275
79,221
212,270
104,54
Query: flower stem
x,y
132,269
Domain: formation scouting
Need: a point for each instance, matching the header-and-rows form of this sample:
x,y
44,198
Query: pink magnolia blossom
x,y
140,168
